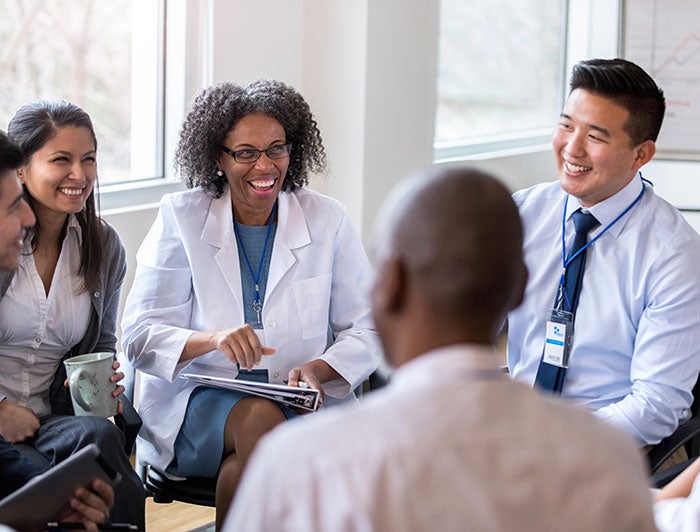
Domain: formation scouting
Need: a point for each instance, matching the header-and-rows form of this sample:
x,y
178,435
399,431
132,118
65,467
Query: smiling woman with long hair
x,y
63,299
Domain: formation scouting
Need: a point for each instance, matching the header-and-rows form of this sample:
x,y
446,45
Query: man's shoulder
x,y
351,430
669,223
190,208
186,198
313,201
537,194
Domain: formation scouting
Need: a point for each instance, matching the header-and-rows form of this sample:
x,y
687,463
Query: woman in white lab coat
x,y
247,269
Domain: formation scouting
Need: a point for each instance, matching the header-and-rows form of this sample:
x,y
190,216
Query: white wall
x,y
132,225
367,69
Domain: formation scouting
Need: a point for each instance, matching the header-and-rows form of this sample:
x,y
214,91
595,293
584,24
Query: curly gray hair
x,y
217,109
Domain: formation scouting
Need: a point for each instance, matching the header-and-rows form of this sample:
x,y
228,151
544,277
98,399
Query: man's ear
x,y
390,285
519,292
645,151
20,174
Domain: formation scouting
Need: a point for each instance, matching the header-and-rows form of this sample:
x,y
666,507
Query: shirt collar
x,y
292,227
445,364
73,227
607,210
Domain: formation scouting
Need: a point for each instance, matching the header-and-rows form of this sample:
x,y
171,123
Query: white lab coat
x,y
188,279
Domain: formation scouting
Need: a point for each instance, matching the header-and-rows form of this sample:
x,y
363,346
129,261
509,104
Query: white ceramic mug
x,y
90,385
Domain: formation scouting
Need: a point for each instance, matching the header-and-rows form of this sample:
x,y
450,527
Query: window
x,y
105,56
500,72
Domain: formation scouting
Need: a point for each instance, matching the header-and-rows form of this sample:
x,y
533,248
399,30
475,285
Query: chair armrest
x,y
666,447
129,422
659,480
378,379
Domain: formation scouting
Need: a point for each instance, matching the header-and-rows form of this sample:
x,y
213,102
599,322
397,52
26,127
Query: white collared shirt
x,y
636,348
449,445
37,329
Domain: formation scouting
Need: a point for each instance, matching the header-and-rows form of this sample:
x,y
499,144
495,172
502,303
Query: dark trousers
x,y
61,436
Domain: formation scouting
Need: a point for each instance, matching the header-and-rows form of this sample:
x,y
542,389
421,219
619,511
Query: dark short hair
x,y
218,108
628,85
11,156
33,125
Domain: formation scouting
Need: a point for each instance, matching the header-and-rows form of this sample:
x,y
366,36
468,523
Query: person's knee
x,y
102,432
256,412
249,419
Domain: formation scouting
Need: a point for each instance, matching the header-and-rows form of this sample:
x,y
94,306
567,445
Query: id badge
x,y
560,333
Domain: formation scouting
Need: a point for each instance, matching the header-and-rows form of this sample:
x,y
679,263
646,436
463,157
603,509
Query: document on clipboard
x,y
292,396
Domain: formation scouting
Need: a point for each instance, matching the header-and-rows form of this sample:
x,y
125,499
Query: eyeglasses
x,y
279,151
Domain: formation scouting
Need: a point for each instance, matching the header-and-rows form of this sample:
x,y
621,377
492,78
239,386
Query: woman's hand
x,y
115,378
241,345
118,389
305,374
313,373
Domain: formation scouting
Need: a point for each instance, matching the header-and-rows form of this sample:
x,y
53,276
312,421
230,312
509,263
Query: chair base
x,y
193,490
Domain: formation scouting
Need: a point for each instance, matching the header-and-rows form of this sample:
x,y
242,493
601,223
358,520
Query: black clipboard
x,y
43,497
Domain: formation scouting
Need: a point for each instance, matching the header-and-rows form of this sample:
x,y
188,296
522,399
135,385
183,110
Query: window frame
x,y
184,68
530,140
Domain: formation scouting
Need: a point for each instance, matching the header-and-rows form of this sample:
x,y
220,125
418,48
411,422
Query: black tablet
x,y
41,499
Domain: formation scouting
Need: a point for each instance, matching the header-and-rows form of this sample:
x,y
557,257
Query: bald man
x,y
451,443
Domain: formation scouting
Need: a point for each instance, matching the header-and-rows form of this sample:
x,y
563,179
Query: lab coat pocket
x,y
313,301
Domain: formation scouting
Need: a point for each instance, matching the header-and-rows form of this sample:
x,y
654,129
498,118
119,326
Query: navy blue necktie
x,y
551,377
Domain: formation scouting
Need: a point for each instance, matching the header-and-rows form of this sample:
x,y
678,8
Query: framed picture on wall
x,y
663,37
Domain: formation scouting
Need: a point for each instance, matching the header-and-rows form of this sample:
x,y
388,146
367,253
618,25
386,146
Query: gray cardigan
x,y
101,331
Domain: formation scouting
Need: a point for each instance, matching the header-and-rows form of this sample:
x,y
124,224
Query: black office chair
x,y
687,435
192,490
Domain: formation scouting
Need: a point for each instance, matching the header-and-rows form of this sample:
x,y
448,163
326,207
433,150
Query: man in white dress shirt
x,y
16,215
451,444
635,351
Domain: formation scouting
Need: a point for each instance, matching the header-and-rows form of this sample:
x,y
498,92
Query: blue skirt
x,y
199,446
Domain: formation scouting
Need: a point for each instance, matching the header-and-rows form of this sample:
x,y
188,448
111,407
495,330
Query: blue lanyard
x,y
257,305
566,263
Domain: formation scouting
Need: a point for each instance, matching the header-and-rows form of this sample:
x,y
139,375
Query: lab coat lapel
x,y
218,232
292,233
